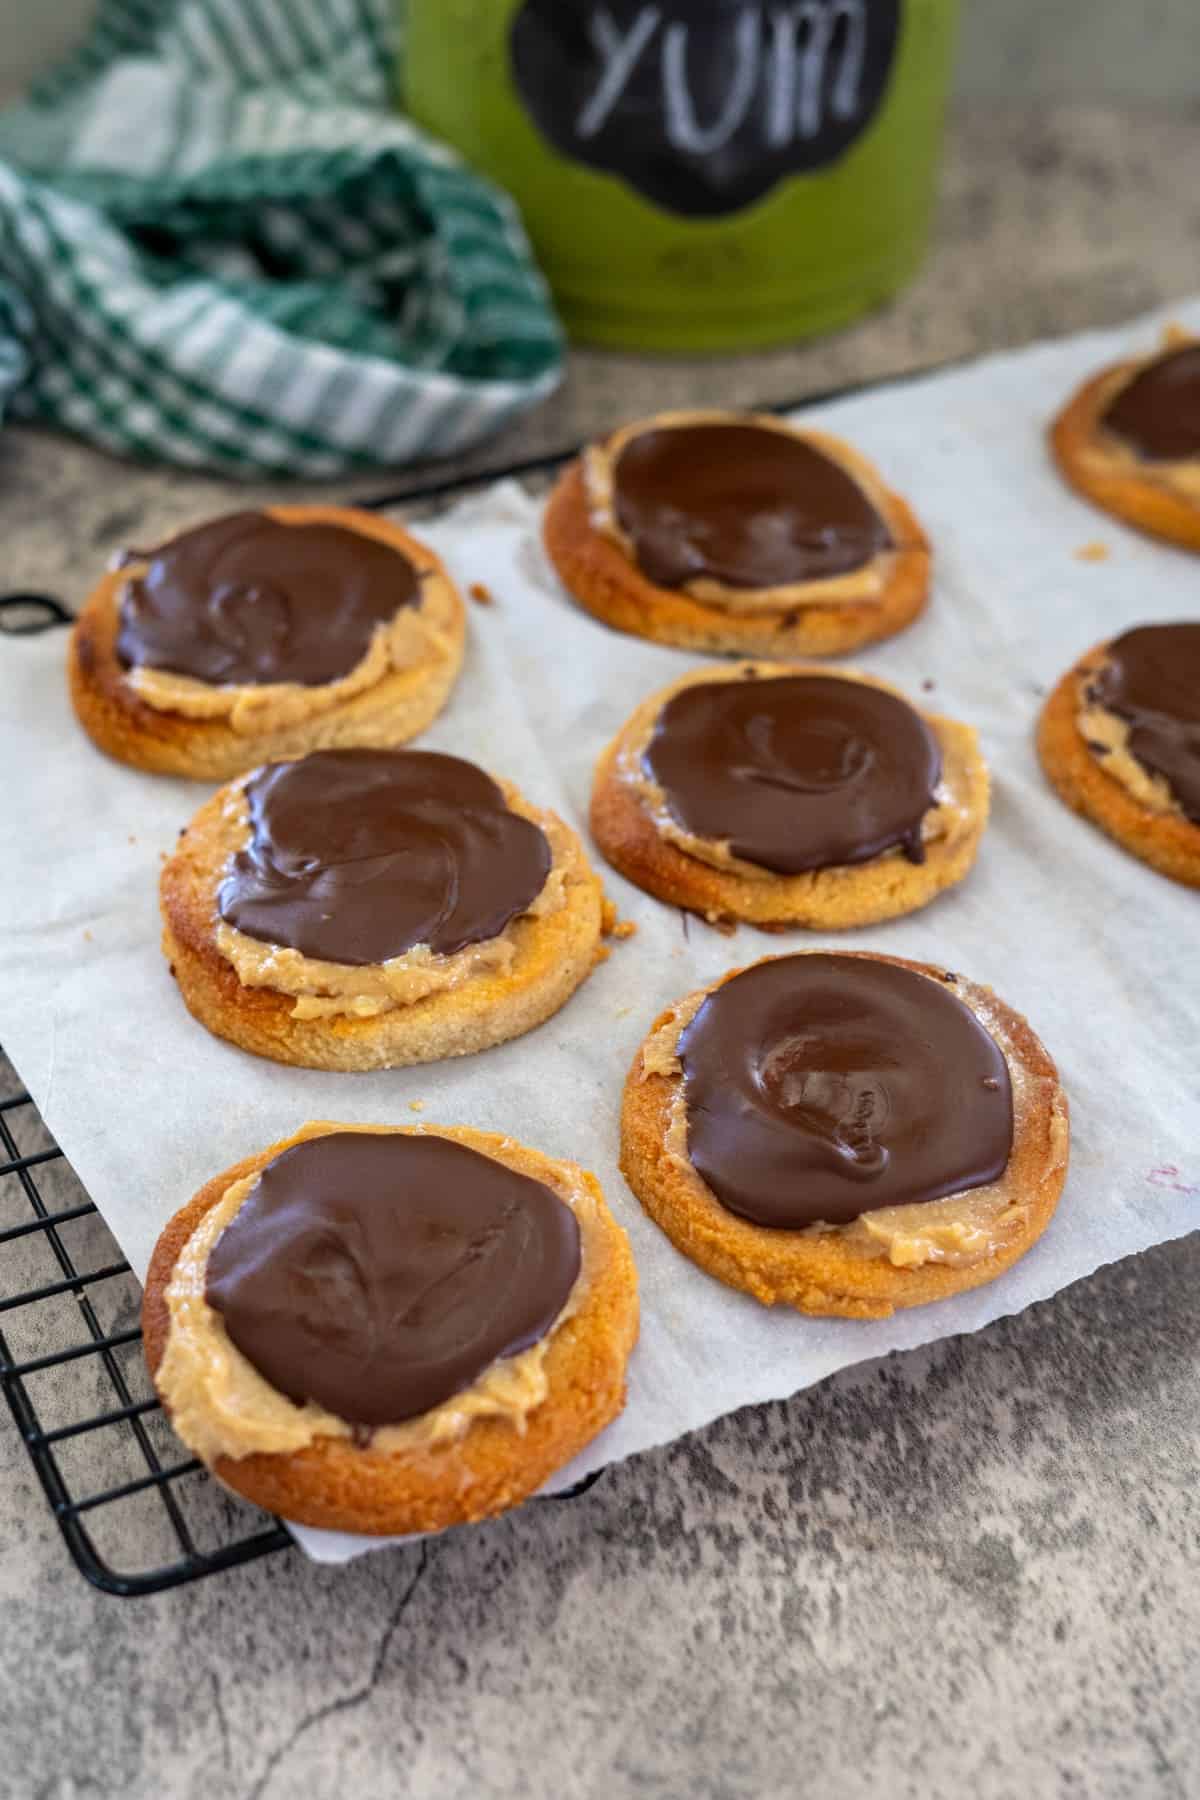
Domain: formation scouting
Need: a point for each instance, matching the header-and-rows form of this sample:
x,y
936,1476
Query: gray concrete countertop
x,y
969,1569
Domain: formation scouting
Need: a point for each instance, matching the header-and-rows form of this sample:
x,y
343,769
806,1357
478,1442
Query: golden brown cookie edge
x,y
336,1486
556,955
609,586
824,1276
628,839
1166,842
390,712
1077,448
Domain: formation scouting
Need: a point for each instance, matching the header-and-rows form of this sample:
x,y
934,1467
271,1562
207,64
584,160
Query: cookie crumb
x,y
88,938
1094,551
132,839
416,1106
482,596
612,925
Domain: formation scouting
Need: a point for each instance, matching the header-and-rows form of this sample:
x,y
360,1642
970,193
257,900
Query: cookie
x,y
736,532
363,909
782,796
391,1330
262,635
1129,440
1119,738
846,1133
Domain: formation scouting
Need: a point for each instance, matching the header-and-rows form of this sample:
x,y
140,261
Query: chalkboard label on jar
x,y
703,105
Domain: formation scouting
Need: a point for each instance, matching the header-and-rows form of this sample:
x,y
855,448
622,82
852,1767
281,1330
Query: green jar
x,y
698,174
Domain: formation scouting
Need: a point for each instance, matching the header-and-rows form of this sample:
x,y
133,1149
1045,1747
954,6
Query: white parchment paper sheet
x,y
1099,952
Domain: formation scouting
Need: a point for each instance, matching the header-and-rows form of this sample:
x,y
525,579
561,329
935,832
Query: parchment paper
x,y
1099,952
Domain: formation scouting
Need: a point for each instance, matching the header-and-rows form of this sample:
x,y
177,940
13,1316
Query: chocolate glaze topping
x,y
742,505
1158,412
246,600
1151,679
357,855
822,1087
797,772
381,1275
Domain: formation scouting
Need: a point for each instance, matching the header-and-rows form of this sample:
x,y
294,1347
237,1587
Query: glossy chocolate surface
x,y
1158,412
821,1087
1151,679
742,505
355,856
796,771
380,1275
246,600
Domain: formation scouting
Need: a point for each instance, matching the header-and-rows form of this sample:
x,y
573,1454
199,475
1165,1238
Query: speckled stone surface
x,y
972,1569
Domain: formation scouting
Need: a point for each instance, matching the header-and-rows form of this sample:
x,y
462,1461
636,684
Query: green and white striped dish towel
x,y
220,247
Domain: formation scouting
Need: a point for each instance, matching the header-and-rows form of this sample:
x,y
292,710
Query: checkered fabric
x,y
220,248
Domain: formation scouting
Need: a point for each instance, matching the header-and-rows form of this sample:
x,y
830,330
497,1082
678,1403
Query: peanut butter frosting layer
x,y
816,767
850,1128
741,508
364,880
1142,419
1139,712
384,1286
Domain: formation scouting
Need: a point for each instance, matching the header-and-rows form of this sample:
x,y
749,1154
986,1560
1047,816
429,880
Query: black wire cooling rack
x,y
137,1516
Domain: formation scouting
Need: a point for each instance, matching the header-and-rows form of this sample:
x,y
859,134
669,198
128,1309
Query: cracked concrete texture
x,y
972,1568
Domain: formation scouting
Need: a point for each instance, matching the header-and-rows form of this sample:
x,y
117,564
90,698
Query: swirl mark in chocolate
x,y
355,856
247,600
821,1087
1151,679
796,772
1158,412
380,1275
740,504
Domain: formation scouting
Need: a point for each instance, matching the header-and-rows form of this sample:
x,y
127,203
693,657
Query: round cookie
x,y
834,1138
488,1446
1133,769
728,547
1129,441
268,672
363,909
813,769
